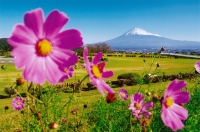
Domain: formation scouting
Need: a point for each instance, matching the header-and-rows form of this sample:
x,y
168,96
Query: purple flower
x,y
172,113
197,66
123,94
64,120
96,72
68,73
18,103
46,49
139,107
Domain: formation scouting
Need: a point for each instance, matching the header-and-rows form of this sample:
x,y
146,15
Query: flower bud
x,y
6,107
158,65
20,81
85,105
64,120
3,67
110,98
53,125
148,93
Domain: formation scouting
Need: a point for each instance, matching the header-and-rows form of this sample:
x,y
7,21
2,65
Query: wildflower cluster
x,y
172,112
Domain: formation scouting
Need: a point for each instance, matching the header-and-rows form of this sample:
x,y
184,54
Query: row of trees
x,y
95,48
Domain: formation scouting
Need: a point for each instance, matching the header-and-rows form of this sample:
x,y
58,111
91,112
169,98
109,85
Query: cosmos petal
x,y
107,74
97,58
170,119
85,55
148,105
35,71
20,59
197,66
22,36
34,21
53,75
68,39
137,97
99,86
107,88
181,112
53,24
181,97
174,86
66,58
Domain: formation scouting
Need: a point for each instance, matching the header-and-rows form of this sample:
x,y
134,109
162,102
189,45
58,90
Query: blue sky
x,y
101,20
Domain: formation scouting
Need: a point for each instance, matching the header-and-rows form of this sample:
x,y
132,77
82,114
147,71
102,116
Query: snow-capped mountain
x,y
137,38
138,31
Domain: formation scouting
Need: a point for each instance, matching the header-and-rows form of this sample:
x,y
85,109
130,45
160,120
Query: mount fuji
x,y
137,38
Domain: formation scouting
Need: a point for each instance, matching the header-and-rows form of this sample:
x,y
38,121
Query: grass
x,y
100,116
120,65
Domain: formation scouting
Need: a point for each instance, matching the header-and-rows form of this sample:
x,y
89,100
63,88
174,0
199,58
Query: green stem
x,y
70,99
73,90
131,122
28,94
28,114
139,88
151,64
7,77
150,70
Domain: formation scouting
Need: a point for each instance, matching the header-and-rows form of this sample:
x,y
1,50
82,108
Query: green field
x,y
121,65
118,65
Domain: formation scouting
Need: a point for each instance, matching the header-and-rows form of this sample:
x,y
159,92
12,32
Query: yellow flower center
x,y
43,47
122,95
137,106
96,71
18,103
169,102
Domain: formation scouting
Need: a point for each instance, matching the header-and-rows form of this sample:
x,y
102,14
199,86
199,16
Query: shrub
x,y
129,78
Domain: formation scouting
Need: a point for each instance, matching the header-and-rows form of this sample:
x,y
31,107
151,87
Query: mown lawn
x,y
118,65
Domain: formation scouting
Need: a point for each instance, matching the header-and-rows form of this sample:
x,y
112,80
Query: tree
x,y
79,51
4,46
99,47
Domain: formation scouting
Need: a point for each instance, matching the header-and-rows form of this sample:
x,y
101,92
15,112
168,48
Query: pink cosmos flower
x,y
197,66
41,48
123,94
172,113
96,72
68,73
18,103
139,107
